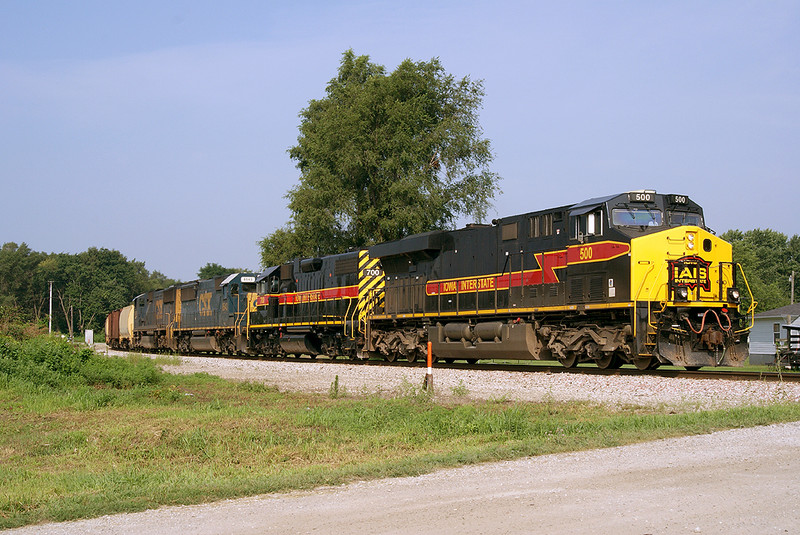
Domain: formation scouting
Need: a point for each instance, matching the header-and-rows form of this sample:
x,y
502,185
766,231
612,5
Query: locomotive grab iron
x,y
632,278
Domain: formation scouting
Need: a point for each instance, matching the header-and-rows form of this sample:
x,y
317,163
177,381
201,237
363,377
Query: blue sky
x,y
160,129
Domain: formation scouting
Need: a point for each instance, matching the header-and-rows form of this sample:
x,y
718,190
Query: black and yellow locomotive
x,y
314,306
630,278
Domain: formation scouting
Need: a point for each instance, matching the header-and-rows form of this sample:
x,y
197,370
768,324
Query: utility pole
x,y
791,279
50,318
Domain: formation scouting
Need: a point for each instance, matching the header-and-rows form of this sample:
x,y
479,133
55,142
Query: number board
x,y
679,199
641,196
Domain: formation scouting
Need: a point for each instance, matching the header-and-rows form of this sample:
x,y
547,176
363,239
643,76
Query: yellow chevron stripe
x,y
370,286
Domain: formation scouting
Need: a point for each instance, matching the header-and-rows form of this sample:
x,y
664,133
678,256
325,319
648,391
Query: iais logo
x,y
690,271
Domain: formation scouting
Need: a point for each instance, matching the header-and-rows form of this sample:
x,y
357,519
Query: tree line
x,y
86,286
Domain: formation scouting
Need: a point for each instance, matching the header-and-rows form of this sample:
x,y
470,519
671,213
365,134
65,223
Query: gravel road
x,y
740,481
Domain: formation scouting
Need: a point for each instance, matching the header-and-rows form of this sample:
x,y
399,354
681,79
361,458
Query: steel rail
x,y
587,369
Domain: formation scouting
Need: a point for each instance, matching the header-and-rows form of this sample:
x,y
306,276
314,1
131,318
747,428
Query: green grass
x,y
76,441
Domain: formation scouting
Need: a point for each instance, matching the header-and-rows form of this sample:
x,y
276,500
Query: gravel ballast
x,y
614,390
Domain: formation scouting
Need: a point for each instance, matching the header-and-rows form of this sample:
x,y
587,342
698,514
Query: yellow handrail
x,y
347,314
753,303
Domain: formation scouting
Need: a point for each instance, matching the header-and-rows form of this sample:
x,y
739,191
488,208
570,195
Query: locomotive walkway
x,y
741,481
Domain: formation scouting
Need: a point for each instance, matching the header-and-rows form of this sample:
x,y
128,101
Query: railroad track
x,y
667,371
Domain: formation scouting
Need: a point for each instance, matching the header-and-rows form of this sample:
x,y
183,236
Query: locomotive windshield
x,y
677,219
637,217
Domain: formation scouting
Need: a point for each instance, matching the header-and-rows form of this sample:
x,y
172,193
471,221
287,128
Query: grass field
x,y
82,435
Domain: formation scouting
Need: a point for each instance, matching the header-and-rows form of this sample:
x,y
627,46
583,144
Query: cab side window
x,y
590,224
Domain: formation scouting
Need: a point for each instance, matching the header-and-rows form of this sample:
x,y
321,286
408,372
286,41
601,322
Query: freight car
x,y
629,278
119,328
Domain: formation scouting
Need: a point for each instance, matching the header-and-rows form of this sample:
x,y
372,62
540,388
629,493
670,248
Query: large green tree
x,y
382,156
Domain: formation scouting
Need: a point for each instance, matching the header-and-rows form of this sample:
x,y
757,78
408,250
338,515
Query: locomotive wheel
x,y
609,361
472,361
570,361
692,368
391,357
646,363
412,356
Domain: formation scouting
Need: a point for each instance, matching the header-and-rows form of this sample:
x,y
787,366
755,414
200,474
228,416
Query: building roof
x,y
788,310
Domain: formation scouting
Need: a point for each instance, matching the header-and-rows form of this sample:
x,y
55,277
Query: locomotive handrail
x,y
751,311
649,298
348,315
644,279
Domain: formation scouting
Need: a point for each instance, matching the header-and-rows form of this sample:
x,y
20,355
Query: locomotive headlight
x,y
690,241
733,295
681,293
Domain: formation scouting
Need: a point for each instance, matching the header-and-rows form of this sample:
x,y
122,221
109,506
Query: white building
x,y
767,332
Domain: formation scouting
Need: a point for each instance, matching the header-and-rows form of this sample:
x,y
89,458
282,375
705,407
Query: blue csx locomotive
x,y
629,278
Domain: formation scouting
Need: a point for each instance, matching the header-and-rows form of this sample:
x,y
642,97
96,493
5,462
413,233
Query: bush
x,y
54,362
13,325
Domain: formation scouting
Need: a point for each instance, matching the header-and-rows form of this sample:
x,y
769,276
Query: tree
x,y
86,286
157,280
383,156
211,270
18,285
768,258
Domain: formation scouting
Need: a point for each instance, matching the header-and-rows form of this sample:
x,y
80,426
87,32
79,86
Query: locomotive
x,y
632,278
205,315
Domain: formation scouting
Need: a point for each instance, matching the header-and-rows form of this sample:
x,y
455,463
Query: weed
x,y
460,390
336,391
410,392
